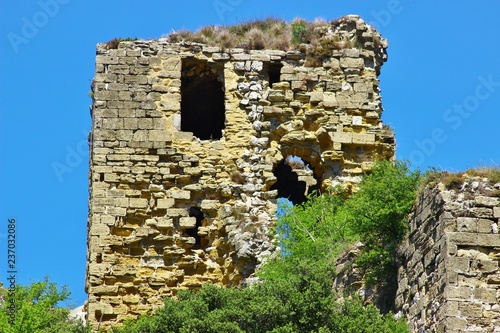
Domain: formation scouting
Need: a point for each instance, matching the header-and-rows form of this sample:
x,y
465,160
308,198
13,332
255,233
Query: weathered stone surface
x,y
464,265
171,207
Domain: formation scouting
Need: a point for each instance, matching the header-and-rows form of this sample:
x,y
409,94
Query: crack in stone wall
x,y
147,175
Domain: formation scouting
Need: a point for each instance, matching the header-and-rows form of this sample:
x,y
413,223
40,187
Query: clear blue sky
x,y
440,89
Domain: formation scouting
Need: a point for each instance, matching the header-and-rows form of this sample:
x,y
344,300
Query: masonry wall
x,y
450,277
180,197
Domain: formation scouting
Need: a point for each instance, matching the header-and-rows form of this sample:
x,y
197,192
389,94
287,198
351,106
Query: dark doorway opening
x,y
193,232
202,99
274,73
295,180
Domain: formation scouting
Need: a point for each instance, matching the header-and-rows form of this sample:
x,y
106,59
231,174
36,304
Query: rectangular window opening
x,y
202,99
274,73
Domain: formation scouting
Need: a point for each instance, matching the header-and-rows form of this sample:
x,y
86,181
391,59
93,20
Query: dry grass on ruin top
x,y
456,180
270,33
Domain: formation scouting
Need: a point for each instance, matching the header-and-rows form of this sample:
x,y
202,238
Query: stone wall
x,y
450,277
187,156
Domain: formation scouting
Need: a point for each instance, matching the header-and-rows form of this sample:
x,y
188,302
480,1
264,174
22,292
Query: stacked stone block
x,y
450,277
171,211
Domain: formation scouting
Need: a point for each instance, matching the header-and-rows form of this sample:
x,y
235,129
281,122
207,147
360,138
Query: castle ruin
x,y
188,155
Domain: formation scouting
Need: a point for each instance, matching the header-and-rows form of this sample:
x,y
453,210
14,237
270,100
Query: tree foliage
x,y
302,303
33,309
377,216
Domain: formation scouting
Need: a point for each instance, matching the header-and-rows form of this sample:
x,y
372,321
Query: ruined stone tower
x,y
188,152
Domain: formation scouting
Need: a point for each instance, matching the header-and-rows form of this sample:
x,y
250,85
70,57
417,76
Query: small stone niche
x,y
202,99
195,212
274,73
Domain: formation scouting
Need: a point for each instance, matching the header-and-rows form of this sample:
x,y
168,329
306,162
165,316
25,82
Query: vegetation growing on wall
x,y
272,33
455,180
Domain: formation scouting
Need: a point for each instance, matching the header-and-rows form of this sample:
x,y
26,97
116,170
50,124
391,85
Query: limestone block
x,y
316,96
99,269
329,99
281,86
363,139
119,69
466,224
177,212
108,220
485,226
220,56
131,299
482,212
240,56
496,212
99,230
457,264
118,211
363,87
99,290
462,238
491,240
120,270
351,62
165,203
179,194
112,123
185,136
187,222
164,222
486,201
342,137
357,120
486,295
160,135
138,203
455,324
256,66
457,293
209,205
104,308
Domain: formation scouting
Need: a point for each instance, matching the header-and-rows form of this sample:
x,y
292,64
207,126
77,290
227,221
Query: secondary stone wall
x,y
171,210
450,277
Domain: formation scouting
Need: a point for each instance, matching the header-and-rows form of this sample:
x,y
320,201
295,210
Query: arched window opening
x,y
202,99
295,180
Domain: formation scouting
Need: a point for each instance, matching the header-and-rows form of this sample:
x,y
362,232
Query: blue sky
x,y
440,90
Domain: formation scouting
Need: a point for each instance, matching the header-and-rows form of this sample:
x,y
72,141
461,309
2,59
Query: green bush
x,y
34,310
302,302
377,215
299,31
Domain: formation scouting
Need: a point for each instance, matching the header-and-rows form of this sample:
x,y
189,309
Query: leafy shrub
x,y
35,310
299,31
318,222
377,216
301,302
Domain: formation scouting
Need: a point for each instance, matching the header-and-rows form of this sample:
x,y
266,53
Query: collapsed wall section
x,y
450,278
187,143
